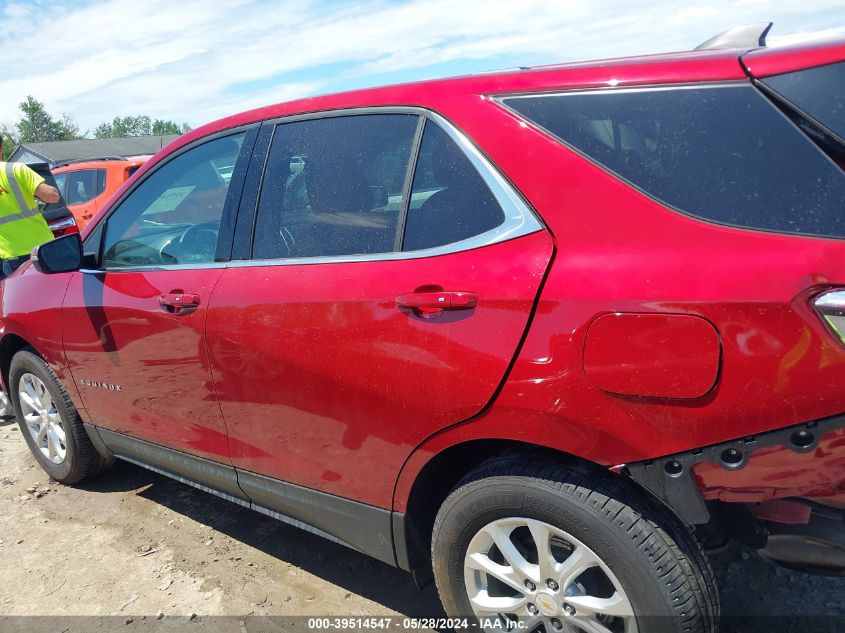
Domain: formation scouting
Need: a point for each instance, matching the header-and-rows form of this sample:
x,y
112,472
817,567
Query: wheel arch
x,y
10,345
432,483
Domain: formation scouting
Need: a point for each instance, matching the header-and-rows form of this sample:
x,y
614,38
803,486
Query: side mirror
x,y
62,255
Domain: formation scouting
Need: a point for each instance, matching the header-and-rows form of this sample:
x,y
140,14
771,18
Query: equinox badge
x,y
101,385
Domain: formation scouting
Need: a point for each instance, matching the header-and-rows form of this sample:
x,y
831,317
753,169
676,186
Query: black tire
x,y
81,458
655,558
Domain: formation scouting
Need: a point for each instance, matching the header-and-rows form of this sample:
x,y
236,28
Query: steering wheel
x,y
198,243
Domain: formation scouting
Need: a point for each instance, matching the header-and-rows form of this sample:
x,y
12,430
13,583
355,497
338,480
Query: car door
x,y
134,327
392,275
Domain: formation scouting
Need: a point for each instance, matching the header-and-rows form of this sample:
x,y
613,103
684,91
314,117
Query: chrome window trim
x,y
519,219
151,268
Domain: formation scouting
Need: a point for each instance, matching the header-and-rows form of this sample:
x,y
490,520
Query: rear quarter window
x,y
819,92
722,153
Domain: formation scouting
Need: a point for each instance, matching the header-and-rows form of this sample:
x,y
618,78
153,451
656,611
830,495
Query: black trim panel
x,y
362,527
202,473
93,434
671,478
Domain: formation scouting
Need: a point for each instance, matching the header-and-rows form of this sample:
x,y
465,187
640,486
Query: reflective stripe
x,y
13,217
16,191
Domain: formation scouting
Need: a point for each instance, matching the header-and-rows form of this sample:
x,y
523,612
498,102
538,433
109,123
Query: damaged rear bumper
x,y
804,461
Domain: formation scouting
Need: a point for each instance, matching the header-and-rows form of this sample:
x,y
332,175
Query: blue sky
x,y
196,60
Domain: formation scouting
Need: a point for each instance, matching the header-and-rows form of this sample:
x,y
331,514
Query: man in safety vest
x,y
22,227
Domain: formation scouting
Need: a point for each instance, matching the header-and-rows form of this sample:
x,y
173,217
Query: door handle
x,y
179,303
432,304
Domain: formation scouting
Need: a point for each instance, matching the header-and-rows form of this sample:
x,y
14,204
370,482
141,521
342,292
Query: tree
x,y
70,129
140,125
161,127
10,140
38,126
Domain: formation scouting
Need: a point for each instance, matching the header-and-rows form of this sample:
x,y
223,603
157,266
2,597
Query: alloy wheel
x,y
42,419
531,571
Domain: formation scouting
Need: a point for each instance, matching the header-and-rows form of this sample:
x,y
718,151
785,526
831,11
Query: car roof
x,y
100,163
703,65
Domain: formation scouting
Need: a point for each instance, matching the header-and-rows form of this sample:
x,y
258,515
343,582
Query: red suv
x,y
548,334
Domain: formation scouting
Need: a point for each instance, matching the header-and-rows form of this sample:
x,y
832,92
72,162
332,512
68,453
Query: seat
x,y
464,207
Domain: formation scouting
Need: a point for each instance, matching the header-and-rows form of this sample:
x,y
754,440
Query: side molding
x,y
362,527
196,471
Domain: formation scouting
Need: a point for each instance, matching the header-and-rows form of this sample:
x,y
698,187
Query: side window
x,y
817,91
722,153
61,180
173,217
333,186
84,185
449,199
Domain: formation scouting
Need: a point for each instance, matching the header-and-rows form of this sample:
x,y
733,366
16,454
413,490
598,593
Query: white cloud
x,y
194,60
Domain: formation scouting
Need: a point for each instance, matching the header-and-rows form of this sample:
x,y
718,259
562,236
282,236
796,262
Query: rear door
x,y
392,275
134,328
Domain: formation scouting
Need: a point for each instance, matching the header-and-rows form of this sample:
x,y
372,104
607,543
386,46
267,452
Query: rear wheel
x,y
49,422
565,550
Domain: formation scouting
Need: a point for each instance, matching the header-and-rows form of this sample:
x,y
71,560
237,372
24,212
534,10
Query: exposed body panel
x,y
776,472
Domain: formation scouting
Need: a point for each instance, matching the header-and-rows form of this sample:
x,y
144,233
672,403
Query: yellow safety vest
x,y
22,227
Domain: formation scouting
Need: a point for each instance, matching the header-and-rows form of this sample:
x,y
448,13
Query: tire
x,y
640,568
63,448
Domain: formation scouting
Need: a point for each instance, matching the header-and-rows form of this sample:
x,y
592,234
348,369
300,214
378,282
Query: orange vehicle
x,y
87,185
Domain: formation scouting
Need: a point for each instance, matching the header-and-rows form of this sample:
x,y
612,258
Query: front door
x,y
134,330
381,303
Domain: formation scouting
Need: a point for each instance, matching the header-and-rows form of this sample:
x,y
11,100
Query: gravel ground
x,y
135,545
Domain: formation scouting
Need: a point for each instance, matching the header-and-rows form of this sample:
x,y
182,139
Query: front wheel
x,y
557,549
50,423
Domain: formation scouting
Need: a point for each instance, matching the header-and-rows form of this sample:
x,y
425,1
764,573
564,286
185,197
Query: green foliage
x,y
38,126
161,127
138,126
10,140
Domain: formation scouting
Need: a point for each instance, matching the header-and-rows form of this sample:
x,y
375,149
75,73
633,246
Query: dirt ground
x,y
135,545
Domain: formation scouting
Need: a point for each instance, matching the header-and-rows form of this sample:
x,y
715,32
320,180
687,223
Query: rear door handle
x,y
179,303
433,304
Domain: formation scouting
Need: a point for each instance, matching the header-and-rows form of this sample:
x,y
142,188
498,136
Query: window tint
x,y
817,91
449,199
333,186
723,153
85,185
173,216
